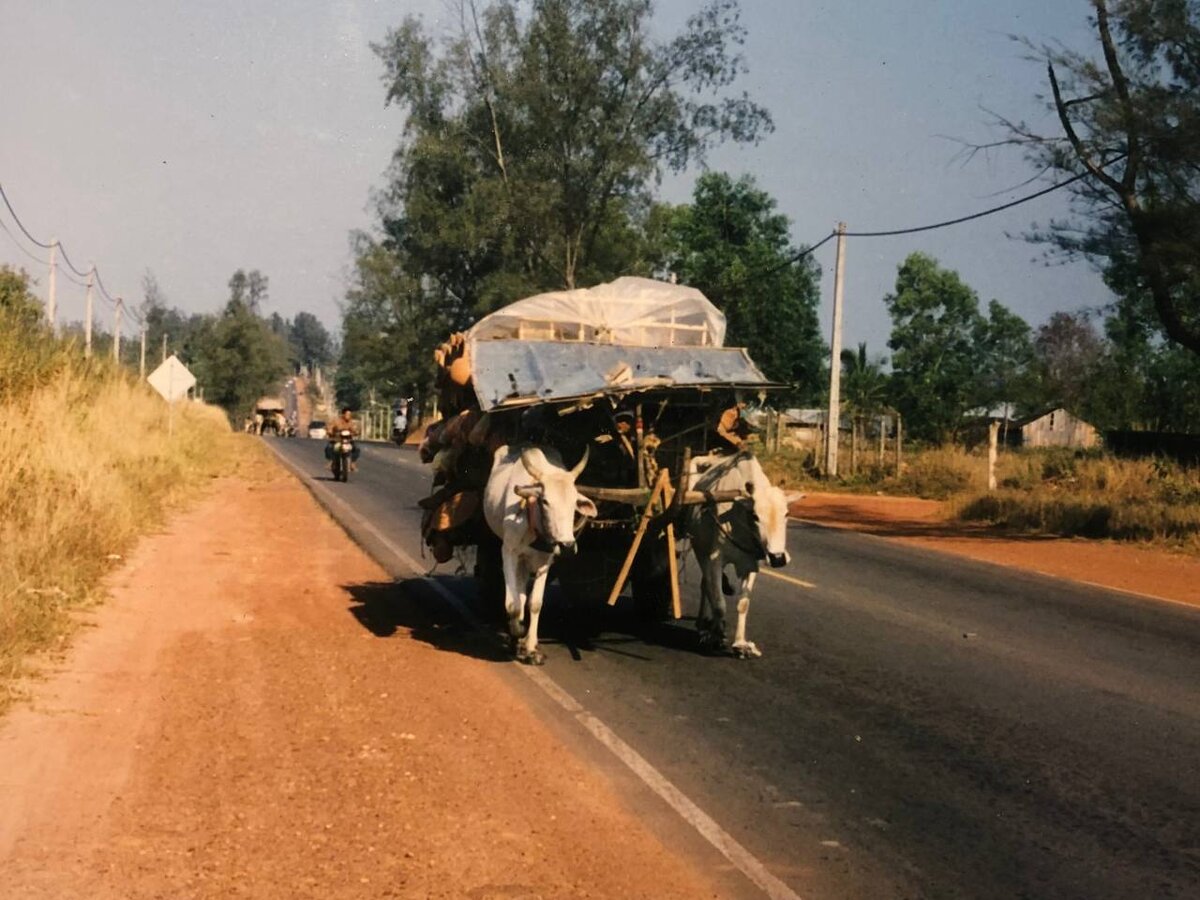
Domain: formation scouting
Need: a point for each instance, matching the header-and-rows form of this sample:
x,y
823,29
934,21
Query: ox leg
x,y
515,585
742,648
530,653
711,620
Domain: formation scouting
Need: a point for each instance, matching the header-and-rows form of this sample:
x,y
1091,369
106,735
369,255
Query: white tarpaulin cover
x,y
638,312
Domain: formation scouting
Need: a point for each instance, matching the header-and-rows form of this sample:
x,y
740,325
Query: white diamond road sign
x,y
172,379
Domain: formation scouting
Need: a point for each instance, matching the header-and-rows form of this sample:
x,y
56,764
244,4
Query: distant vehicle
x,y
316,430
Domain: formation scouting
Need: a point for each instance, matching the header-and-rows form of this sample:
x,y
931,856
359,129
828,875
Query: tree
x,y
310,341
389,326
235,356
935,321
249,290
1069,354
1131,122
732,245
17,302
1004,350
533,136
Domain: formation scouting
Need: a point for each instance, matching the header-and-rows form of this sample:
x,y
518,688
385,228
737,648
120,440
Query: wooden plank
x,y
647,513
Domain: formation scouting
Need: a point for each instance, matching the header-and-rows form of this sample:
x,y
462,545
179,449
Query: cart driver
x,y
732,427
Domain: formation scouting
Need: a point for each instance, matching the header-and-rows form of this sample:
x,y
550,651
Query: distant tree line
x,y
237,354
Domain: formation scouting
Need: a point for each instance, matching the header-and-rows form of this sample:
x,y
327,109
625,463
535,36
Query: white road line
x,y
743,859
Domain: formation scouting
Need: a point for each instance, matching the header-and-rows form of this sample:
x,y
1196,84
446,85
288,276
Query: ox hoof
x,y
746,650
531,657
713,644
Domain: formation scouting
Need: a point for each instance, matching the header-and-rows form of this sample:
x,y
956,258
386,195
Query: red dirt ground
x,y
1128,567
229,729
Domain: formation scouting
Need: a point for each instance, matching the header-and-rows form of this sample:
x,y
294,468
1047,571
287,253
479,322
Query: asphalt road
x,y
919,725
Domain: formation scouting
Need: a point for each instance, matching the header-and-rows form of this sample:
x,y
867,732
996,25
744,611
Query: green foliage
x,y
864,386
732,245
935,323
17,301
390,322
1128,113
533,137
309,340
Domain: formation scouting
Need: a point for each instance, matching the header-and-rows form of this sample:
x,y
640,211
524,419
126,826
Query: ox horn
x,y
579,466
531,466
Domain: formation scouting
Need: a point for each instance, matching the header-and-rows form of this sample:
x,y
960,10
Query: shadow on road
x,y
385,607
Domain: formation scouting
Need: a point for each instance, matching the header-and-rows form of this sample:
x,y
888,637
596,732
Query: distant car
x,y
316,430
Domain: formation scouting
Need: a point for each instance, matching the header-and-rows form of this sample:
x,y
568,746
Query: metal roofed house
x,y
1057,428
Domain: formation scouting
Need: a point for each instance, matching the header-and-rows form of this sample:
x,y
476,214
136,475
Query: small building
x,y
1057,428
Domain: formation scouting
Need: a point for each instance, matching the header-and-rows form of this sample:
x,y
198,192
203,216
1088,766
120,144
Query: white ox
x,y
739,533
531,503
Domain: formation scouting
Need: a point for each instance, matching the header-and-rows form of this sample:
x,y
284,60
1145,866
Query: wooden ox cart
x,y
633,372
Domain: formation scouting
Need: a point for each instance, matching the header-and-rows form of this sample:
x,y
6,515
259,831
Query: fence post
x,y
993,433
899,443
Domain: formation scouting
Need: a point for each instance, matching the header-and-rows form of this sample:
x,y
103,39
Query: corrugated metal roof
x,y
518,373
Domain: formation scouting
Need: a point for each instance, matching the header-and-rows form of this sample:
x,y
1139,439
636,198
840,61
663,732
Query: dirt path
x,y
230,729
1127,567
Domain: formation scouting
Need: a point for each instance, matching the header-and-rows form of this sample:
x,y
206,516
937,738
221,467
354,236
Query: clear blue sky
x,y
195,138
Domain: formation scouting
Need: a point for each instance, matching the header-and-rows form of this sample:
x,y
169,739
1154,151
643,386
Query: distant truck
x,y
270,416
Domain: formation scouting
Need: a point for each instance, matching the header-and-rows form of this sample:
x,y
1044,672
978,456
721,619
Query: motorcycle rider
x,y
333,431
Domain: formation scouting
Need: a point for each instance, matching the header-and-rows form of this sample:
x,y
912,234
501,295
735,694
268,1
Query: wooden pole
x,y
87,314
835,357
647,514
993,433
117,330
899,443
51,285
142,362
882,438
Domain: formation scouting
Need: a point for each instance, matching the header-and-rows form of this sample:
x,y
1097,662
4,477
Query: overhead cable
x,y
987,212
21,247
21,225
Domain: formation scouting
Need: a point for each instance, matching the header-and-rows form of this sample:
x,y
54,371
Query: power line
x,y
987,212
67,260
21,247
20,225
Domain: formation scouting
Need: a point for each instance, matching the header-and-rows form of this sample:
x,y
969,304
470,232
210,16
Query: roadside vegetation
x,y
86,465
1059,491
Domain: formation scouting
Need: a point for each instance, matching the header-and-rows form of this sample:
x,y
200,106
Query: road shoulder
x,y
1156,574
260,710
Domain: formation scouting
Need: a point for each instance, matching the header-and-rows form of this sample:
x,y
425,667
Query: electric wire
x,y
67,260
987,212
21,225
21,247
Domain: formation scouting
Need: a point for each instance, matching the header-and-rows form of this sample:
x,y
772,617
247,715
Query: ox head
x,y
770,513
556,508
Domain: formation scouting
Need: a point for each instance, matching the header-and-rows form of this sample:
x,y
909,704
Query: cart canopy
x,y
632,312
518,373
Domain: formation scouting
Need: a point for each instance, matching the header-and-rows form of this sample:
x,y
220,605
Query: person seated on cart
x,y
333,431
732,428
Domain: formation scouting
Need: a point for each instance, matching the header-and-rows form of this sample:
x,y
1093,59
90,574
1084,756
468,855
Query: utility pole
x,y
164,358
87,314
142,363
833,421
117,330
51,298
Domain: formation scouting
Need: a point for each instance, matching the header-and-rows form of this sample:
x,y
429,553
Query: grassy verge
x,y
1050,491
86,465
1094,496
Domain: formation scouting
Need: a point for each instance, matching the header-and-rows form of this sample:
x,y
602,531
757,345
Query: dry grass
x,y
1051,491
86,465
1093,496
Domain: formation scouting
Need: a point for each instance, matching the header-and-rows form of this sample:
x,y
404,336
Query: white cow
x,y
531,503
739,533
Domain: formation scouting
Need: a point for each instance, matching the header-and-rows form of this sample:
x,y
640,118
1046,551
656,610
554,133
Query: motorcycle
x,y
342,454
